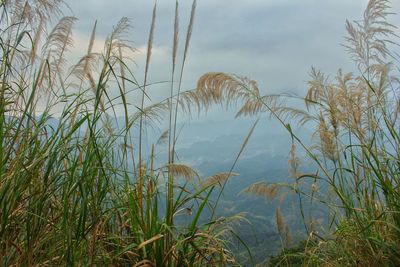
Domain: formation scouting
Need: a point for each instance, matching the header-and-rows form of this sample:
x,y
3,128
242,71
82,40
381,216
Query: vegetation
x,y
355,148
79,185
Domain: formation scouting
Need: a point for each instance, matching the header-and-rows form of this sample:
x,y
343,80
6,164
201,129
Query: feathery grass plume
x,y
189,32
181,170
222,88
300,117
32,13
36,40
176,37
163,138
58,43
150,114
53,57
118,44
325,95
293,161
327,138
367,39
90,49
218,87
263,189
282,227
218,179
280,222
60,38
83,69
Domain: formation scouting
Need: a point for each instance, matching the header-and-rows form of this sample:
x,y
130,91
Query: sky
x,y
274,42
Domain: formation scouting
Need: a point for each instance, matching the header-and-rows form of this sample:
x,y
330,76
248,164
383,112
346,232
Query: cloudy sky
x,y
274,42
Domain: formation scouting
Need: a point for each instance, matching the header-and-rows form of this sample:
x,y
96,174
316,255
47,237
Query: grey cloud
x,y
273,41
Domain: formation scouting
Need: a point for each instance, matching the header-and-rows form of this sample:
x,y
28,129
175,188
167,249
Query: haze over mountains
x,y
211,146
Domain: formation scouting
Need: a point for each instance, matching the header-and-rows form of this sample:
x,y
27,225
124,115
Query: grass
x,y
77,184
355,147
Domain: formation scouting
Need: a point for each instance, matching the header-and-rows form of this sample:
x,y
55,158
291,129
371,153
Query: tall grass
x,y
355,145
77,185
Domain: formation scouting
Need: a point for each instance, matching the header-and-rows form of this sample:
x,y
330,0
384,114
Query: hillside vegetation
x,y
79,185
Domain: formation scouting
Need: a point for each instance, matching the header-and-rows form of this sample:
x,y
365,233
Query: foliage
x,y
355,148
77,185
